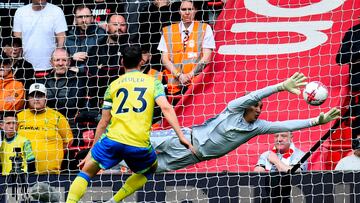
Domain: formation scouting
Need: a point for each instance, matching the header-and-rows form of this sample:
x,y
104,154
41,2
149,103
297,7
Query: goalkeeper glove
x,y
293,83
333,114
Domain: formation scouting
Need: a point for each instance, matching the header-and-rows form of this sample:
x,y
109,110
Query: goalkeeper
x,y
234,126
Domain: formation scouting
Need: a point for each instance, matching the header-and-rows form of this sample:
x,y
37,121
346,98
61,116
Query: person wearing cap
x,y
282,157
22,70
47,129
12,92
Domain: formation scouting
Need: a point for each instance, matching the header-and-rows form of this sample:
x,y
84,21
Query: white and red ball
x,y
315,93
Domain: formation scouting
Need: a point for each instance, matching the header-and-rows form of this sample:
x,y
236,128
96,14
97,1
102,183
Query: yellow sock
x,y
78,188
132,184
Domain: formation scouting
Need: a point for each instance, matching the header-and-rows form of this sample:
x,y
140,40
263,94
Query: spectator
x,y
22,69
105,68
11,141
351,162
12,92
84,37
186,49
100,9
66,90
349,53
47,129
39,24
159,14
282,157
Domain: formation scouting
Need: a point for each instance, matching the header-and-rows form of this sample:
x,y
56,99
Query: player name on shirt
x,y
136,80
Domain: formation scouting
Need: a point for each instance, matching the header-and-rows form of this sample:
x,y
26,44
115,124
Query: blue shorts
x,y
107,153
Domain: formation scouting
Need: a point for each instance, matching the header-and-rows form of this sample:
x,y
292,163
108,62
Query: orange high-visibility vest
x,y
186,59
156,74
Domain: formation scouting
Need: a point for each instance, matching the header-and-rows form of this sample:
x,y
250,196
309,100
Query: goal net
x,y
258,44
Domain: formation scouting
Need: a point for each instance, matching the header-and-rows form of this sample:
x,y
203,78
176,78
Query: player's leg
x,y
171,154
143,162
79,185
104,155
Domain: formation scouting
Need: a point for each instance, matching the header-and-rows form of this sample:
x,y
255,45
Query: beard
x,y
120,38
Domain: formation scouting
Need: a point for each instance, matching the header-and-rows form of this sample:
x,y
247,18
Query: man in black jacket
x,y
66,89
82,41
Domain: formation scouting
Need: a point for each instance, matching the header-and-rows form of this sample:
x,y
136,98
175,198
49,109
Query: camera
x,y
16,161
356,143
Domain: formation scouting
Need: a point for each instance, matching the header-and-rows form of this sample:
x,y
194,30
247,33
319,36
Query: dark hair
x,y
5,114
132,56
114,14
11,41
81,7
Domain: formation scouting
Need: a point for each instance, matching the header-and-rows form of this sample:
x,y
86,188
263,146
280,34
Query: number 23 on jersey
x,y
127,100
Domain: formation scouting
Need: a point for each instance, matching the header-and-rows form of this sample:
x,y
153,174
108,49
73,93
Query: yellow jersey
x,y
7,151
131,99
48,132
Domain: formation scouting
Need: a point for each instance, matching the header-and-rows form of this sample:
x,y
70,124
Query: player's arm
x,y
291,85
103,123
292,125
100,129
170,116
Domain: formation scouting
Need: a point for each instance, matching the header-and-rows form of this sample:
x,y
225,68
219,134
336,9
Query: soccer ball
x,y
315,93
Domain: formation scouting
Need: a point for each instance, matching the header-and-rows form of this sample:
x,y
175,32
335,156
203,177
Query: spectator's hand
x,y
74,69
80,56
293,83
185,79
273,158
333,114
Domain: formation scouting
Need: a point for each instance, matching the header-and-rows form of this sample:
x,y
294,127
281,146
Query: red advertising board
x,y
260,43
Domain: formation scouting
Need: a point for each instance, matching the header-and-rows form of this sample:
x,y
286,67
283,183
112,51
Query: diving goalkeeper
x,y
234,126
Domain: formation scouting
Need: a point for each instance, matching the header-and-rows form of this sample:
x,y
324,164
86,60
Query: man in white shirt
x,y
186,48
282,157
42,27
351,162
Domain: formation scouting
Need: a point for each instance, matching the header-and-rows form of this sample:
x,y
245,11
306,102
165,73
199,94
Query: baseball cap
x,y
37,87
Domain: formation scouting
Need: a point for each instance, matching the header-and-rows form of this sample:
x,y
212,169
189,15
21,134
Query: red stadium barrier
x,y
272,41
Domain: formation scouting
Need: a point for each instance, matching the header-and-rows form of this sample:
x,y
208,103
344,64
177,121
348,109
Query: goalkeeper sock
x,y
78,188
132,184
